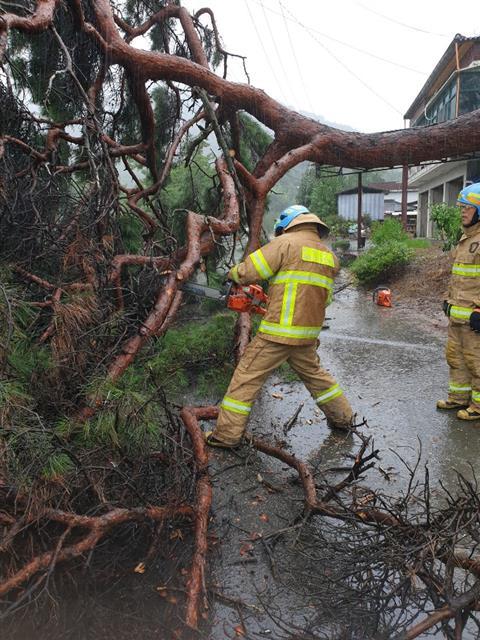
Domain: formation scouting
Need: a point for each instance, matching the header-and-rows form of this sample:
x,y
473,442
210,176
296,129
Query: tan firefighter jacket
x,y
300,270
464,287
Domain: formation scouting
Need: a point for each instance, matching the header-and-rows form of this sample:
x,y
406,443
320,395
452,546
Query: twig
x,y
289,424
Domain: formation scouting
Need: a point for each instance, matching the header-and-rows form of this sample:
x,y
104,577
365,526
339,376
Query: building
x,y
373,203
452,89
379,200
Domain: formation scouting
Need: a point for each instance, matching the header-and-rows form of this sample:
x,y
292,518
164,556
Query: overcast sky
x,y
354,62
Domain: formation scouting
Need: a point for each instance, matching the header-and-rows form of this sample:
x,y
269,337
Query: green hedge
x,y
387,231
378,263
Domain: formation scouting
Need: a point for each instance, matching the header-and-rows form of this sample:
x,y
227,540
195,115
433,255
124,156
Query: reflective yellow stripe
x,y
319,257
453,388
476,397
234,274
468,270
303,277
328,394
260,264
236,406
460,313
288,305
276,329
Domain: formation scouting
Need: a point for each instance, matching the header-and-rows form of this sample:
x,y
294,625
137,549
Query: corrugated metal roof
x,y
447,57
386,186
365,189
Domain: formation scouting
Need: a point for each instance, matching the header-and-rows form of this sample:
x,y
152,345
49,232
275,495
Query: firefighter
x,y
463,309
300,270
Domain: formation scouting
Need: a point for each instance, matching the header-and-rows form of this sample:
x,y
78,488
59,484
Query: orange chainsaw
x,y
237,297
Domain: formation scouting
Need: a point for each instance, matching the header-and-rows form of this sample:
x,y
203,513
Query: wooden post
x,y
359,212
404,195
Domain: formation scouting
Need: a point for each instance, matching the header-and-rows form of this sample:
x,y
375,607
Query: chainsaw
x,y
237,297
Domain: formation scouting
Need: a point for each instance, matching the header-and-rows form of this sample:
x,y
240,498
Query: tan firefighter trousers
x,y
260,358
463,358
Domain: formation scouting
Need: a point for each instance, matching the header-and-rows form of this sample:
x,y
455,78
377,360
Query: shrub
x,y
378,263
367,220
388,231
338,226
341,245
449,223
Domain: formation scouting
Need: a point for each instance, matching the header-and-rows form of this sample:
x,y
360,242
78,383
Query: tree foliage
x,y
388,230
321,185
109,201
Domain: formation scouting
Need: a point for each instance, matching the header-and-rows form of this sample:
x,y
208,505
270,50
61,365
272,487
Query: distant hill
x,y
285,191
335,125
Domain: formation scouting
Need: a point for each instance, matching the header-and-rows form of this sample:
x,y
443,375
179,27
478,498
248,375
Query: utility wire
x,y
403,24
267,57
274,40
294,54
346,44
347,68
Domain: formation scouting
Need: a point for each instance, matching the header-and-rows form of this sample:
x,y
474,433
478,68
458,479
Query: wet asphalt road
x,y
390,362
391,365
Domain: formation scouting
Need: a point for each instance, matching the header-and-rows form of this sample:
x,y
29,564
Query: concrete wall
x,y
441,184
422,218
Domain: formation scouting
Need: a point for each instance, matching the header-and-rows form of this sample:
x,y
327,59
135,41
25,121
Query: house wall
x,y
468,54
422,218
442,186
441,183
372,204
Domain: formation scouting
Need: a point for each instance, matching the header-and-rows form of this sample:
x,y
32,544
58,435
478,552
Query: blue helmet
x,y
471,196
298,214
287,215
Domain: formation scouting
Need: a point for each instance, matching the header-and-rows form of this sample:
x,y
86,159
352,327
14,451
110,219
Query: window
x,y
469,91
441,108
443,105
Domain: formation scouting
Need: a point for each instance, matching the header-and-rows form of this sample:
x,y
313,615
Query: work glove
x,y
233,274
446,308
475,321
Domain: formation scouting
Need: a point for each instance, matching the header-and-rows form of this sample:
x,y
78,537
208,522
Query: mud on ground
x,y
424,282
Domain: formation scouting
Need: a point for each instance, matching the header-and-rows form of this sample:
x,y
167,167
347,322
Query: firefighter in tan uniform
x,y
300,270
463,308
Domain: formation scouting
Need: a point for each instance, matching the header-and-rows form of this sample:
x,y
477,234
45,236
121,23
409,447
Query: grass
x,y
287,374
198,356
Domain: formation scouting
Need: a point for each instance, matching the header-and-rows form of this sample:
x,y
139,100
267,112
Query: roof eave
x,y
447,56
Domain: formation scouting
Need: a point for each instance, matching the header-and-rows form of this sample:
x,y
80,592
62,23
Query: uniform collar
x,y
308,227
468,232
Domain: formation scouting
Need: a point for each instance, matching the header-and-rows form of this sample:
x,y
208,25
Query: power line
x,y
299,69
402,24
266,54
275,45
366,85
350,46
